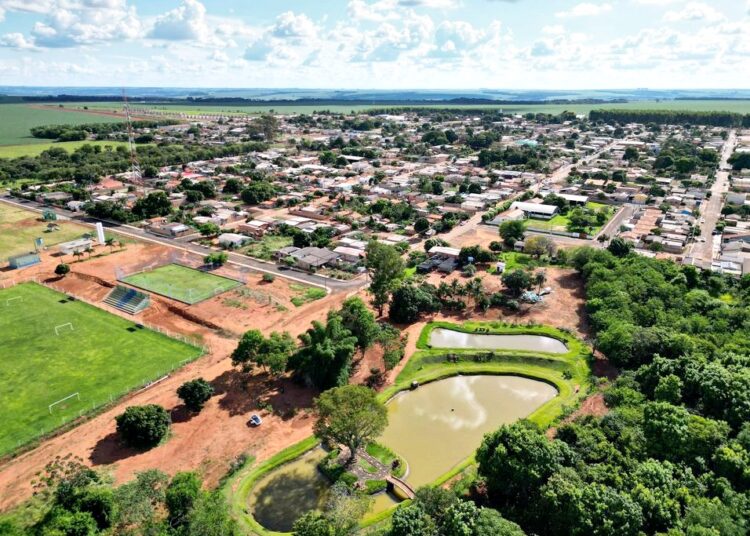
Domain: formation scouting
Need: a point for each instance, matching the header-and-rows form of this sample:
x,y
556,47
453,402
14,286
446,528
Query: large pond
x,y
440,424
433,428
448,338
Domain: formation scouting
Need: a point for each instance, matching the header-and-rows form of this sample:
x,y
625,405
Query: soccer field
x,y
181,283
98,355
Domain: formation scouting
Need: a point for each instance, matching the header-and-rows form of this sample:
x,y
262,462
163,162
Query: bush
x,y
375,486
195,393
143,426
470,270
269,278
62,269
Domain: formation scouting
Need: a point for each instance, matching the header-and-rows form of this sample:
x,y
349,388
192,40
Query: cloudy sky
x,y
377,44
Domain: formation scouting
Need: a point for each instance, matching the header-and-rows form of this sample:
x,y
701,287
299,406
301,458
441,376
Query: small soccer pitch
x,y
61,358
181,283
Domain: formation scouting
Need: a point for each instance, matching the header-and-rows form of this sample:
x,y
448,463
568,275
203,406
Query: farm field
x,y
182,283
35,149
16,120
19,228
738,106
101,357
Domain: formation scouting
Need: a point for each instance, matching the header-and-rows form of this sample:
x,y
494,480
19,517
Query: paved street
x,y
703,250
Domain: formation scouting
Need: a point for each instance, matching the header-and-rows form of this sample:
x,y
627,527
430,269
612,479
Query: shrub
x,y
195,393
143,426
375,486
269,278
62,269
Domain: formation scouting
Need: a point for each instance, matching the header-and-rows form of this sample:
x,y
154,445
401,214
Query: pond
x,y
448,338
440,424
433,428
286,493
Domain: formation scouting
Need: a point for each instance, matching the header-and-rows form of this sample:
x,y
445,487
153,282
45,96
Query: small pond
x,y
440,424
448,338
285,494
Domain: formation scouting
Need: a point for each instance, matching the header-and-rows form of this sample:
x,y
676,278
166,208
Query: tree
x,y
195,393
257,192
181,493
110,243
516,281
512,231
350,415
631,154
540,278
386,268
62,269
209,229
217,258
325,357
409,302
421,225
489,522
540,245
359,320
516,460
143,427
313,523
210,516
619,247
270,353
153,205
232,186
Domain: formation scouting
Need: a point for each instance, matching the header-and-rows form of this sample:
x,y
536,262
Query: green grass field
x,y
35,149
19,228
265,247
102,356
560,222
739,106
16,120
182,283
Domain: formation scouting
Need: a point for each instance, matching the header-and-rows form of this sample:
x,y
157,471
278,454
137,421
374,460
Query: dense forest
x,y
671,117
672,455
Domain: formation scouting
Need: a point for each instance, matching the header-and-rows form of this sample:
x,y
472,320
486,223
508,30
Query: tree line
x,y
672,117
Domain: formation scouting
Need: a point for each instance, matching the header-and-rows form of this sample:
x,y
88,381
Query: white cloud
x,y
585,9
694,11
434,4
16,40
187,22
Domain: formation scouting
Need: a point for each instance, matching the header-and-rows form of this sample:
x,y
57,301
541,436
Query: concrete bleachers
x,y
127,299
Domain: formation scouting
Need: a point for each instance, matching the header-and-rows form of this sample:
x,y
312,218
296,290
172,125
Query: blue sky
x,y
377,44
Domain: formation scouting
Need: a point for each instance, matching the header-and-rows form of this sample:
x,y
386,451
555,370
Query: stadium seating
x,y
127,299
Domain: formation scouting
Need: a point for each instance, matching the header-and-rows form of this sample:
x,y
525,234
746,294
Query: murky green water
x,y
440,424
284,495
433,428
447,338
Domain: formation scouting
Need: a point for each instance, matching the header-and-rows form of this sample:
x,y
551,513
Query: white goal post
x,y
61,326
78,396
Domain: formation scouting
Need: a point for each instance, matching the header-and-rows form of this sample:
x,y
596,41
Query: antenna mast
x,y
136,176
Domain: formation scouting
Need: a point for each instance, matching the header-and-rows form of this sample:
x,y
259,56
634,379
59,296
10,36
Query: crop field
x,y
182,283
93,353
16,120
738,106
19,228
35,149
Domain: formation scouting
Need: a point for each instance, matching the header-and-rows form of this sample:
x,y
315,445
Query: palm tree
x,y
540,278
78,255
89,251
110,243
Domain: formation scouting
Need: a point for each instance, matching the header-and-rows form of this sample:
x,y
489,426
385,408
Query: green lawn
x,y
182,283
306,294
16,121
35,149
101,358
560,222
19,228
268,245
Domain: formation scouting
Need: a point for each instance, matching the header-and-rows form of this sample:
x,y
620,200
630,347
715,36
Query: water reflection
x,y
447,338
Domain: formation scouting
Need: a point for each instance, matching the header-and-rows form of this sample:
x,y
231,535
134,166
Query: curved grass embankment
x,y
569,373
